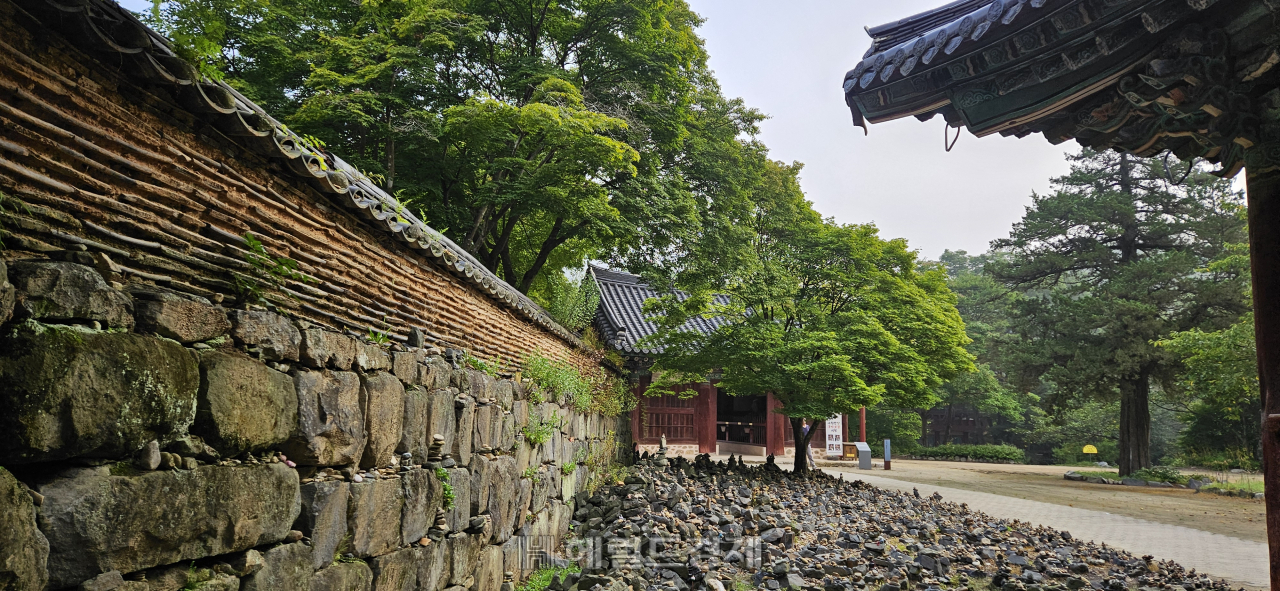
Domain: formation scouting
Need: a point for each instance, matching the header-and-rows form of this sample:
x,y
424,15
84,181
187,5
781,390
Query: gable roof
x,y
147,57
621,318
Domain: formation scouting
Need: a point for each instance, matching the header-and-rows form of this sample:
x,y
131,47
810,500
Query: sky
x,y
788,59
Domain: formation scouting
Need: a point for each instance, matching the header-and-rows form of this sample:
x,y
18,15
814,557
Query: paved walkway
x,y
1240,561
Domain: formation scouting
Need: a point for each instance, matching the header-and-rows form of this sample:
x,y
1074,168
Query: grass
x,y
1248,484
1096,474
541,578
1156,474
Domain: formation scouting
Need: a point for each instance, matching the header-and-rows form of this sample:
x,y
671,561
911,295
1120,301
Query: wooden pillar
x,y
775,432
862,424
704,418
1263,176
637,434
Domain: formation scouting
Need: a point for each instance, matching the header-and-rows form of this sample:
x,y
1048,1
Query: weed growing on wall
x,y
595,391
268,272
600,459
539,430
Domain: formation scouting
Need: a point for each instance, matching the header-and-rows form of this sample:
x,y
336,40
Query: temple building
x,y
1196,78
707,421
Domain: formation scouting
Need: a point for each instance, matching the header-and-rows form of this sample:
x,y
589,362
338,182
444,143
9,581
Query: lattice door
x,y
669,415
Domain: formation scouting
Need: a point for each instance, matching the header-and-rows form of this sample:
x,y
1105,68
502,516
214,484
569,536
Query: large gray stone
x,y
382,402
324,518
507,432
55,291
344,576
330,425
465,416
23,549
504,498
482,474
370,357
244,405
397,571
423,495
327,349
524,495
96,522
489,569
482,429
272,334
373,517
426,415
544,487
433,569
460,515
464,557
287,567
420,369
481,385
504,394
181,319
70,391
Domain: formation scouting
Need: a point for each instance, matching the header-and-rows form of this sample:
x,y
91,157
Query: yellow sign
x,y
1089,449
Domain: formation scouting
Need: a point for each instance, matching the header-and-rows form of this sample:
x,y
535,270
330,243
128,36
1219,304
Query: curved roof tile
x,y
622,298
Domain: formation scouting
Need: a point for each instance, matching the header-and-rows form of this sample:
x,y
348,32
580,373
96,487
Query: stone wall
x,y
112,145
155,441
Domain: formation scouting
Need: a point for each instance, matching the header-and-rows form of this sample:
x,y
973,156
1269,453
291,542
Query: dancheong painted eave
x,y
1192,76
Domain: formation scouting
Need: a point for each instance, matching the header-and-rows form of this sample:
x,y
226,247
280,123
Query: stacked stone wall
x,y
162,428
268,454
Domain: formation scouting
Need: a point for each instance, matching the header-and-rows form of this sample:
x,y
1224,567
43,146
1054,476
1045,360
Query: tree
x,y
1116,258
1221,401
828,318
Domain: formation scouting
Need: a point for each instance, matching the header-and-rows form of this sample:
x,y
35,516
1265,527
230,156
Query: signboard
x,y
835,437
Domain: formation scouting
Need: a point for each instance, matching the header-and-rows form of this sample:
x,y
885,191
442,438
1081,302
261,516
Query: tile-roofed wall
x,y
120,148
622,298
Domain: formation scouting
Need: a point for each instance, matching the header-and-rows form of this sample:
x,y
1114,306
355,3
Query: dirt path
x,y
1239,518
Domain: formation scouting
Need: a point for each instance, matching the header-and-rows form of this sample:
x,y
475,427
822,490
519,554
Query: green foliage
x,y
539,579
1227,459
594,391
1219,389
539,430
268,272
982,453
572,298
568,468
529,472
826,317
1160,474
900,426
1249,485
1117,258
123,469
490,368
449,496
442,475
601,463
378,338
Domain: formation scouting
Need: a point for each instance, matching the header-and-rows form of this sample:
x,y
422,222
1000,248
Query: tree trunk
x,y
802,443
1135,423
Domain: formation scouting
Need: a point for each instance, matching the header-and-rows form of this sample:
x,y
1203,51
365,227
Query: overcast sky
x,y
788,59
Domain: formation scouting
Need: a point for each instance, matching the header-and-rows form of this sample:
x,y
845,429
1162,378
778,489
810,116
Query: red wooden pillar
x,y
1263,174
862,425
775,431
637,434
704,418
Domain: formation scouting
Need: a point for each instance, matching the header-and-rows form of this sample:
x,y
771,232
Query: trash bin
x,y
864,455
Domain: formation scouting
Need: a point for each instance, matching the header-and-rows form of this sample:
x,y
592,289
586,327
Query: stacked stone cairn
x,y
152,440
721,526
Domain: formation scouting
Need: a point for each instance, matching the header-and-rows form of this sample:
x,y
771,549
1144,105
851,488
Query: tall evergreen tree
x,y
1115,259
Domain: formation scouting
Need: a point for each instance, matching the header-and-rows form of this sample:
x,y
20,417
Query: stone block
x,y
503,497
243,404
104,582
70,391
464,557
181,319
272,334
331,428
507,432
344,576
419,368
322,349
464,415
524,495
382,402
489,569
96,522
481,384
287,567
373,517
460,481
482,474
397,571
414,438
433,569
544,487
23,549
7,294
482,429
371,357
61,292
323,518
423,495
504,394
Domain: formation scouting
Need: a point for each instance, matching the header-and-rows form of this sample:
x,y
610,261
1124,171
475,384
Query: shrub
x,y
1221,461
541,578
1160,474
595,391
982,453
540,430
